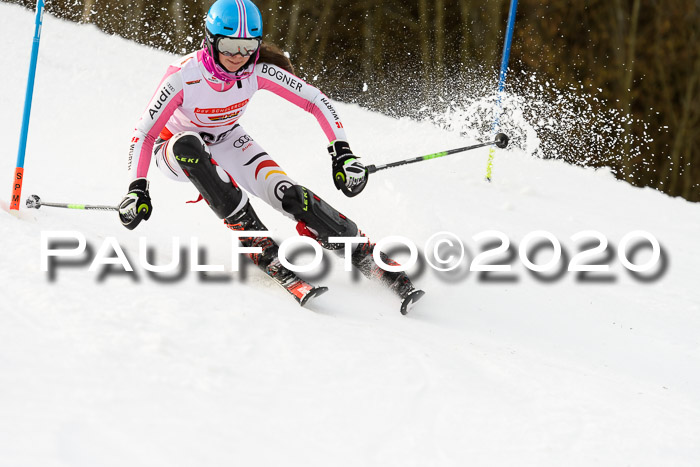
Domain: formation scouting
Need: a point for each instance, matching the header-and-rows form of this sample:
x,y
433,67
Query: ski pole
x,y
35,202
500,140
19,170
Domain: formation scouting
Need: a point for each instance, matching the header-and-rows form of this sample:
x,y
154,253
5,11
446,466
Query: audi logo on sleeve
x,y
165,93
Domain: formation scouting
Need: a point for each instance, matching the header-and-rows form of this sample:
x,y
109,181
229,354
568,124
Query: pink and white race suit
x,y
190,98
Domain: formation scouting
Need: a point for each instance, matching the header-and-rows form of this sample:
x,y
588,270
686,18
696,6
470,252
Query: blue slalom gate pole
x,y
502,76
19,171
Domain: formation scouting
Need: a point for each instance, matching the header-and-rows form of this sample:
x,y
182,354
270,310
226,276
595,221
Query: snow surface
x,y
124,371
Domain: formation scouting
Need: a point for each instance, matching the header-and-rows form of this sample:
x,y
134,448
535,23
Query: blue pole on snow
x,y
19,171
502,75
506,46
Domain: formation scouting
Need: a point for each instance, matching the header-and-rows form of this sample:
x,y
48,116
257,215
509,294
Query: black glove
x,y
136,205
349,175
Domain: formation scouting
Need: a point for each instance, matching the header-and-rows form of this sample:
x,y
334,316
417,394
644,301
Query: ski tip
x,y
410,300
315,292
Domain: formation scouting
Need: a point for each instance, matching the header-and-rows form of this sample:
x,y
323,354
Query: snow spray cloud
x,y
540,118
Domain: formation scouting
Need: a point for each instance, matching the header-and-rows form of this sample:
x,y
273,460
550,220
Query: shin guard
x,y
216,186
318,216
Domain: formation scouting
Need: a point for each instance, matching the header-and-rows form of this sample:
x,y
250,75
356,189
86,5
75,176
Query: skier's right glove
x,y
136,205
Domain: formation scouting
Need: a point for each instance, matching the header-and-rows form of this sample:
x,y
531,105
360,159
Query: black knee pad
x,y
317,214
189,150
223,196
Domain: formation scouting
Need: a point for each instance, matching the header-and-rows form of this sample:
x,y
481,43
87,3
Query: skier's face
x,y
232,63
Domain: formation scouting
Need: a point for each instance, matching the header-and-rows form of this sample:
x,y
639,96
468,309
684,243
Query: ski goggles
x,y
231,46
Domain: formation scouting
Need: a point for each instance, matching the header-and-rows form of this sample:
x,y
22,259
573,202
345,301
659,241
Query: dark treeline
x,y
644,56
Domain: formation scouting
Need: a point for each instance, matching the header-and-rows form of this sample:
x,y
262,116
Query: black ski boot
x,y
247,220
398,282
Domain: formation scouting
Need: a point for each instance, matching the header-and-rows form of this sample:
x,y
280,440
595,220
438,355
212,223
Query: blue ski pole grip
x,y
19,172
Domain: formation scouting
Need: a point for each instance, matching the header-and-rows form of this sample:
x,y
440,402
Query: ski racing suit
x,y
193,115
190,98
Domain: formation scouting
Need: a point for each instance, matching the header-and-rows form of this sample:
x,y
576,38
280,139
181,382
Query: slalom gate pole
x,y
19,171
502,76
35,202
500,140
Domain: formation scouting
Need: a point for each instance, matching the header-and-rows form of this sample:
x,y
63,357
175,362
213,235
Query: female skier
x,y
190,129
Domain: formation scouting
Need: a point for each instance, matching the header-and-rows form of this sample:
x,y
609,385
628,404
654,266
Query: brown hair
x,y
270,53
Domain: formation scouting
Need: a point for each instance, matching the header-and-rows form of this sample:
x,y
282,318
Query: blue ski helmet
x,y
234,18
232,27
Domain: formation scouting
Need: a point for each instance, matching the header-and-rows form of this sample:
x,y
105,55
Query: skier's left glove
x,y
349,175
136,205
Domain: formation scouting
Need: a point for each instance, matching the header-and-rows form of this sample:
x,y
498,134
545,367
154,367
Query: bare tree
x,y
293,26
87,11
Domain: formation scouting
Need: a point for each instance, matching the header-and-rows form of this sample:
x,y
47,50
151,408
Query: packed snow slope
x,y
129,370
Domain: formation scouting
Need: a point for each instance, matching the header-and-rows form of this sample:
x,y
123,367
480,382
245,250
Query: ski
x,y
410,299
301,290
